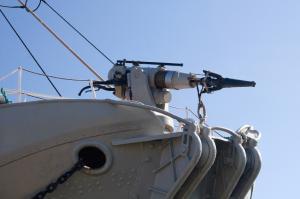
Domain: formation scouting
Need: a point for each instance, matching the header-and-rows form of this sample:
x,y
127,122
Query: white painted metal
x,y
227,169
142,161
207,159
44,145
20,71
93,89
253,166
8,75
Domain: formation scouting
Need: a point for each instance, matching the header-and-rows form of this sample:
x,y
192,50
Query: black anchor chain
x,y
60,180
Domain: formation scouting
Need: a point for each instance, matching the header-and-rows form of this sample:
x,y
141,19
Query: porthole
x,y
92,157
96,157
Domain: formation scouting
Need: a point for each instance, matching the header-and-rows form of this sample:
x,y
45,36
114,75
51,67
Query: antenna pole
x,y
61,41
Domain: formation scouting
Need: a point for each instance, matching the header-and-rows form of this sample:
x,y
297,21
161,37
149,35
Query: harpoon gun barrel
x,y
229,83
213,82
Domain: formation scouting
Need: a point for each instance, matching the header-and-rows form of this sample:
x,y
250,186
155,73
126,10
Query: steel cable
x,y
7,6
56,77
77,31
30,53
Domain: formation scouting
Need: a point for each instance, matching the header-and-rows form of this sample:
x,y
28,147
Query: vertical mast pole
x,y
61,41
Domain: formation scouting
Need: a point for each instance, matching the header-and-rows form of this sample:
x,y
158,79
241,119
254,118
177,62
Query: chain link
x,y
60,180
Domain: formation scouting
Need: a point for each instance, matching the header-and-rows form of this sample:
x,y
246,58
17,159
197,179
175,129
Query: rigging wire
x,y
56,77
30,95
35,9
77,31
7,6
188,109
61,41
28,50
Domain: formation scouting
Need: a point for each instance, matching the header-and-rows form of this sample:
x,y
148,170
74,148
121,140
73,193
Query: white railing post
x,y
20,71
93,89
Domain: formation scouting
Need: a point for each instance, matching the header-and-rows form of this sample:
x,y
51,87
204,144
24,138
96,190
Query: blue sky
x,y
254,40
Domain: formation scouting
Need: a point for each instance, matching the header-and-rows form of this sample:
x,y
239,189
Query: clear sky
x,y
253,40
